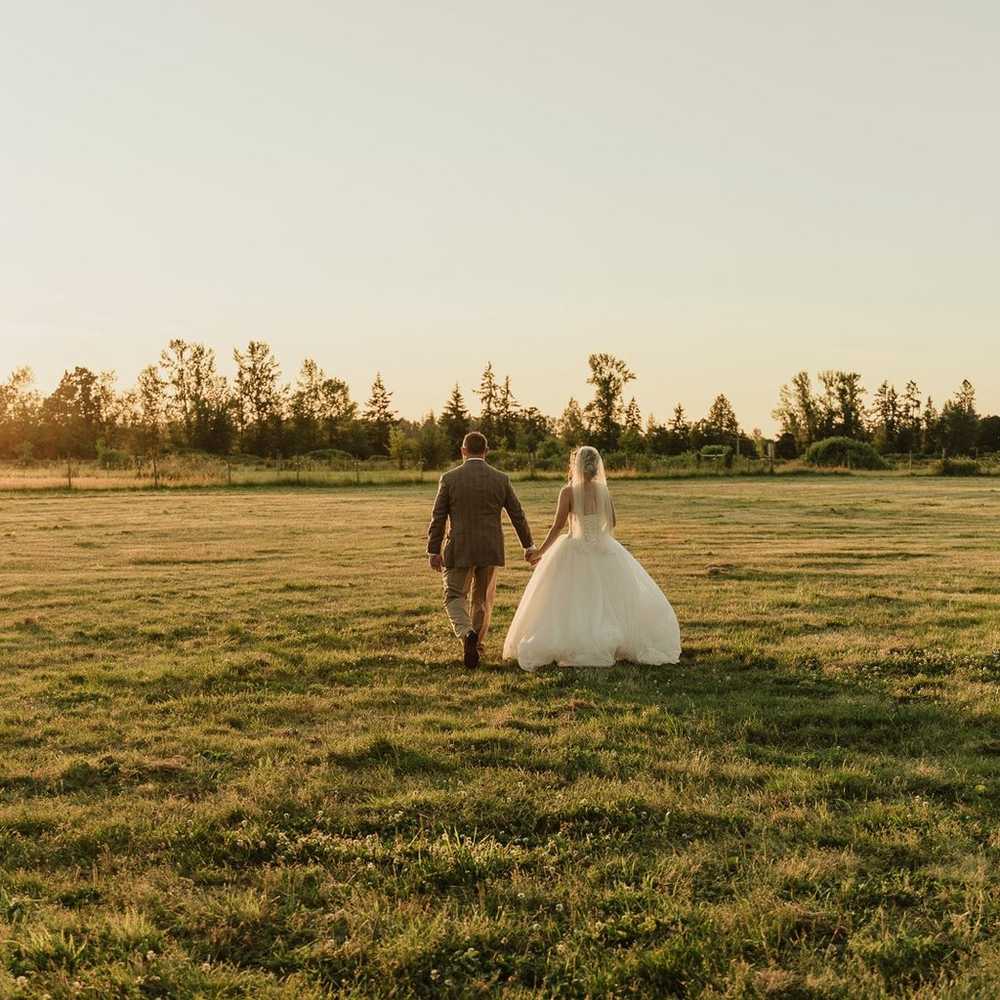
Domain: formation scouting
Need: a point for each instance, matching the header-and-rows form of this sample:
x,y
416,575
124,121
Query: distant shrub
x,y
242,459
786,446
842,451
113,458
718,452
956,467
333,457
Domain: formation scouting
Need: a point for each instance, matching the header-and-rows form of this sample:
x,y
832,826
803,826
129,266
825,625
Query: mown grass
x,y
239,759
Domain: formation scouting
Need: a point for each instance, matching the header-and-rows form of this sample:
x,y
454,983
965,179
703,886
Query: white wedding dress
x,y
589,603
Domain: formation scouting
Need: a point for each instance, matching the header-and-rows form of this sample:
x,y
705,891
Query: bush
x,y
786,446
717,452
842,451
113,458
956,467
332,457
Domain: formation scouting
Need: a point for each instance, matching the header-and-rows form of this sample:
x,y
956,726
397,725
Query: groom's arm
x,y
439,518
513,507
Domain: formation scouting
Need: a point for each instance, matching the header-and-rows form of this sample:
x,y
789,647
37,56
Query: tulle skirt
x,y
589,603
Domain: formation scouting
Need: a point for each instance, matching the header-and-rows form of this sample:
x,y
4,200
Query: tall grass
x,y
193,471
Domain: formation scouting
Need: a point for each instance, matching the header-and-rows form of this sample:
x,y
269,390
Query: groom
x,y
472,496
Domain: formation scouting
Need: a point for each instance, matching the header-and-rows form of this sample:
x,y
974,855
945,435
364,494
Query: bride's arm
x,y
562,514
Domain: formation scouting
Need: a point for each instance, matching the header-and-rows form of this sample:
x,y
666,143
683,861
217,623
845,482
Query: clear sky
x,y
722,193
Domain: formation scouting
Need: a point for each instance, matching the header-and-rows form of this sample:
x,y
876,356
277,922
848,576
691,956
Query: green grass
x,y
238,757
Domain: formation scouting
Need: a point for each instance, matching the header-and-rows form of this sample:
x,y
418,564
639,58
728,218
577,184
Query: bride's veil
x,y
590,491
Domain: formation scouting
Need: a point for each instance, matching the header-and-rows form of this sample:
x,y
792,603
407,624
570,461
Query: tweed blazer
x,y
471,497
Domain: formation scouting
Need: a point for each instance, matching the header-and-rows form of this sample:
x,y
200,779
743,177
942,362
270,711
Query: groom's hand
x,y
436,562
531,555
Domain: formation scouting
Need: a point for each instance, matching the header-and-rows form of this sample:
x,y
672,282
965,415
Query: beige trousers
x,y
458,582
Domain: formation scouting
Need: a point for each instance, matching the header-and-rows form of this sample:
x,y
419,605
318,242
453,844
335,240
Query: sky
x,y
721,193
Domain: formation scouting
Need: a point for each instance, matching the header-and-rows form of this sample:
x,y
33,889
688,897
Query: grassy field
x,y
238,757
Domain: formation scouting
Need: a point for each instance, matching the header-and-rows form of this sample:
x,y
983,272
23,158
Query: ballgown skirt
x,y
589,603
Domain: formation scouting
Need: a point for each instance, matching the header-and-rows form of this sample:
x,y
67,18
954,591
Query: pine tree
x,y
680,432
720,425
488,393
885,418
631,440
633,418
506,416
909,418
379,416
930,429
454,420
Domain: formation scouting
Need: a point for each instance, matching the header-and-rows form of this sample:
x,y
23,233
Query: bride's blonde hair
x,y
587,459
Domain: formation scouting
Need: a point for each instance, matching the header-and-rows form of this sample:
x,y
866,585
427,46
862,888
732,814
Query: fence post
x,y
69,473
229,473
156,472
357,472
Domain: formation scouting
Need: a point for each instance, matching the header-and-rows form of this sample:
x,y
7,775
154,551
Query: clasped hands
x,y
436,561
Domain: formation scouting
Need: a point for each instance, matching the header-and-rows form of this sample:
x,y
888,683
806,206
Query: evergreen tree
x,y
631,440
930,428
454,420
379,416
680,431
885,418
488,393
506,416
909,418
633,418
720,425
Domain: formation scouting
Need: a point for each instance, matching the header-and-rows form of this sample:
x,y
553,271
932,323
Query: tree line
x,y
182,403
894,421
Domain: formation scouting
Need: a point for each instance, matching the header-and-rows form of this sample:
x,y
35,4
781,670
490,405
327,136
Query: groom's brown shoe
x,y
471,644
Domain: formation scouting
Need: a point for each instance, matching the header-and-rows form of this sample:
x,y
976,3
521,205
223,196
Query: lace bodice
x,y
590,527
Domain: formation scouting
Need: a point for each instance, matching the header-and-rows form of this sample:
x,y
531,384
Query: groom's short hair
x,y
474,443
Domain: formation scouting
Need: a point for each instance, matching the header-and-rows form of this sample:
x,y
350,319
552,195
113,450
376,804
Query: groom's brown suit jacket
x,y
472,497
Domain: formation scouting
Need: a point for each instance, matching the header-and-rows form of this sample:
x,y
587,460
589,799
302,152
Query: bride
x,y
589,602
